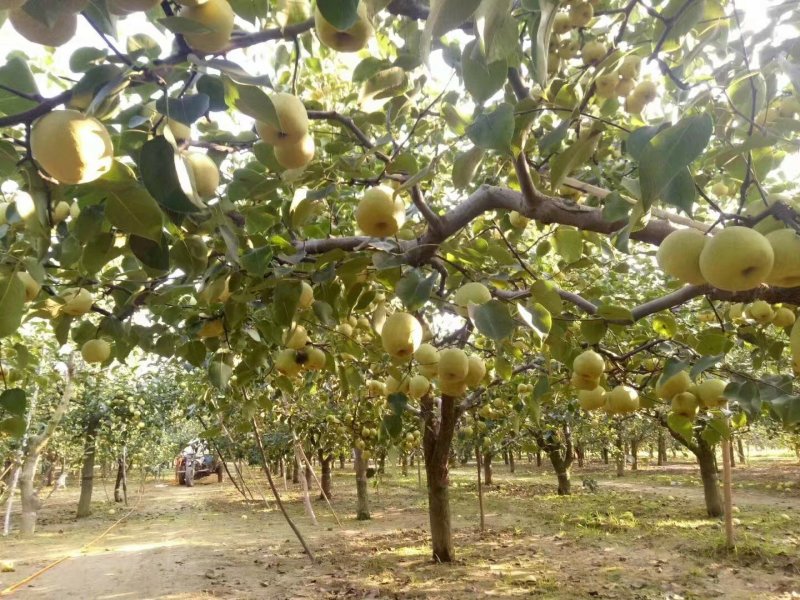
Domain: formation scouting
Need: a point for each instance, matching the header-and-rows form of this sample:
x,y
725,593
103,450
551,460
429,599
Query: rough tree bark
x,y
662,449
404,464
439,426
120,482
512,465
360,466
561,454
87,468
620,454
634,454
740,448
325,462
707,461
487,468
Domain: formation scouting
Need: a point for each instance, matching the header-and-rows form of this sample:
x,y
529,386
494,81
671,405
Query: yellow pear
x,y
605,86
593,52
634,104
580,14
293,119
584,382
646,91
736,259
306,296
418,386
736,311
286,362
296,337
427,357
379,213
96,351
679,255
71,147
709,393
401,335
784,317
350,40
453,365
191,2
592,399
685,404
589,363
761,312
205,174
622,400
562,23
60,212
678,383
630,67
454,389
786,266
33,30
476,372
291,12
216,15
393,386
295,155
517,220
77,302
624,87
473,292
376,388
314,359
32,287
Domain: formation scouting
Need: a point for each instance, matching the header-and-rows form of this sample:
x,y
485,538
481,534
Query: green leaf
x,y
540,26
546,293
568,243
285,301
493,130
537,318
165,176
712,342
342,14
498,29
398,401
704,364
12,304
609,312
717,429
132,210
13,426
466,165
492,319
257,261
444,16
251,101
481,78
414,289
220,370
152,254
746,395
593,330
392,424
748,94
681,192
787,409
16,75
97,252
186,109
681,425
578,154
8,159
14,401
669,152
672,367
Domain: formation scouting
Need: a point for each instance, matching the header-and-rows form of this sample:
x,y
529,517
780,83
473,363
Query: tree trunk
x,y
87,468
505,457
360,465
120,481
634,454
29,498
382,462
325,476
341,460
295,472
562,472
404,464
412,458
620,455
437,439
512,466
740,447
580,453
730,452
538,458
707,460
604,454
662,449
487,468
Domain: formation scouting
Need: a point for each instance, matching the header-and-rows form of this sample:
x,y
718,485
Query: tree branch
x,y
348,123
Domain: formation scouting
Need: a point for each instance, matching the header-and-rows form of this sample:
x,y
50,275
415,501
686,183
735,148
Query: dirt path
x,y
206,543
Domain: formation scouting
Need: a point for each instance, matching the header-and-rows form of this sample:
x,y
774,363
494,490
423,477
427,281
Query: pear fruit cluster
x,y
735,259
60,27
763,313
686,398
217,17
293,146
380,213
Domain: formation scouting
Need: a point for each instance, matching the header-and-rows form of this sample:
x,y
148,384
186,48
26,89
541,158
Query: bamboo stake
x,y
480,488
727,493
275,492
314,475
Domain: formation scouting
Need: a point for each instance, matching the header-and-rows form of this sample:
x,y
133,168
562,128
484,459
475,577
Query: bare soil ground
x,y
643,536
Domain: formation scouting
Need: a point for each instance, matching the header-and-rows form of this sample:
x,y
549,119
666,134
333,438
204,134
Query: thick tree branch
x,y
425,210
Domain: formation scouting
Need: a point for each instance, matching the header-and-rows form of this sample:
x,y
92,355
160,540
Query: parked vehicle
x,y
196,462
